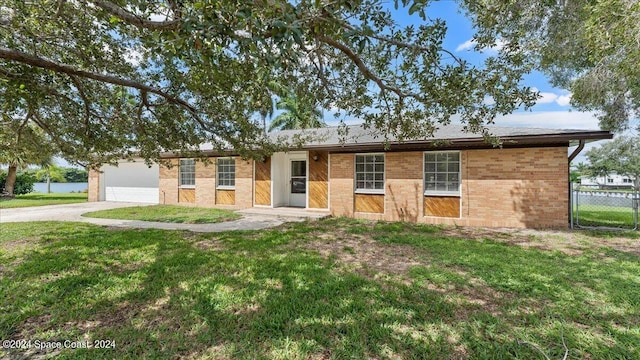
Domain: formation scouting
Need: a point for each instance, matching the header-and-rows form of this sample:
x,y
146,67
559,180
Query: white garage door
x,y
131,182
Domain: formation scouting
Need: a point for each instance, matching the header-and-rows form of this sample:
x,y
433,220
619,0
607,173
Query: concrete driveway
x,y
73,212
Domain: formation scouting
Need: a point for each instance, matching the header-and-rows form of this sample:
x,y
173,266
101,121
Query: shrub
x,y
23,185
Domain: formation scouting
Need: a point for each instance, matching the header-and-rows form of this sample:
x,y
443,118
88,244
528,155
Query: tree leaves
x,y
105,80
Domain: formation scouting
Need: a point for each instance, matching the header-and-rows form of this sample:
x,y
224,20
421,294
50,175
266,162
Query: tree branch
x,y
36,61
403,44
136,20
85,101
365,70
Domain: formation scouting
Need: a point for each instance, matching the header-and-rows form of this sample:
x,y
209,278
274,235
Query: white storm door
x,y
298,183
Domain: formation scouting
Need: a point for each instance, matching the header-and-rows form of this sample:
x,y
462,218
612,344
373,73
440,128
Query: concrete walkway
x,y
251,220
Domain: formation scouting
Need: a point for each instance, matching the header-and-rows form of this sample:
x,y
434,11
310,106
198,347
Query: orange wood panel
x,y
442,206
225,197
319,180
370,203
187,195
263,182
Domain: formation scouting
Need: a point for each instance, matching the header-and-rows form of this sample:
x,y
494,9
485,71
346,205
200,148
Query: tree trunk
x,y
11,180
48,184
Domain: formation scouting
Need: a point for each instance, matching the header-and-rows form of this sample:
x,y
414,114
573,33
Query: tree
x,y
620,156
296,115
587,46
23,183
22,144
107,80
49,172
75,175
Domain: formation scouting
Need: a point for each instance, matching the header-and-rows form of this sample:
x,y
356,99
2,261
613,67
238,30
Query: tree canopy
x,y
587,46
110,79
620,156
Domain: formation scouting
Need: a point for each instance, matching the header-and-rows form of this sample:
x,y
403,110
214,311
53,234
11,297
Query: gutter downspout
x,y
571,157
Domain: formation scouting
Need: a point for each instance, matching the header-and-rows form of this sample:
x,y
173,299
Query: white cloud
x,y
471,45
489,100
133,57
564,100
467,45
158,17
547,98
550,97
551,120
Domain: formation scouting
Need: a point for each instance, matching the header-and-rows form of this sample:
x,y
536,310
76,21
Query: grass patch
x,y
610,216
167,213
41,199
272,294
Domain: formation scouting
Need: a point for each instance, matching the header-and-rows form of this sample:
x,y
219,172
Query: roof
x,y
356,137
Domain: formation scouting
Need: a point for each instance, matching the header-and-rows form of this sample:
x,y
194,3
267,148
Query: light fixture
x,y
315,157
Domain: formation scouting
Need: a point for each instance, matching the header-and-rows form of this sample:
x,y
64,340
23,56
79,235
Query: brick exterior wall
x,y
341,172
93,186
500,188
206,184
403,186
244,183
168,185
515,187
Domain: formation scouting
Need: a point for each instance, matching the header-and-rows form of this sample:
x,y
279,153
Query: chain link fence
x,y
617,209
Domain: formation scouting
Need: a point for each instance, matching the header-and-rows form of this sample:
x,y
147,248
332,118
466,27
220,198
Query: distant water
x,y
61,187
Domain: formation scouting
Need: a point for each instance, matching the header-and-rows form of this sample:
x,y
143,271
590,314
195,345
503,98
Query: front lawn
x,y
167,213
40,199
330,289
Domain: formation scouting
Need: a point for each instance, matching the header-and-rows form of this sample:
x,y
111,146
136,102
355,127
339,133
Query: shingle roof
x,y
356,136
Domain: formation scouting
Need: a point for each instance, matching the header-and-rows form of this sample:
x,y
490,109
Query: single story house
x,y
453,178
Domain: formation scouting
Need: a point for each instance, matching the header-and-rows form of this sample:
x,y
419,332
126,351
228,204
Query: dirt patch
x,y
19,245
360,253
570,242
209,244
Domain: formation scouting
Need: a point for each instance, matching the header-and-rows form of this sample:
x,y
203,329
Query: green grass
x,y
273,294
40,199
167,213
610,216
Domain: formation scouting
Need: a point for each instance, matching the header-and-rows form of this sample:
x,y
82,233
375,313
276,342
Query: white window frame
x,y
218,178
180,174
355,175
457,193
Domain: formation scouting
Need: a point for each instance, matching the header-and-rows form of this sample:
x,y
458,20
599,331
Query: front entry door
x,y
298,183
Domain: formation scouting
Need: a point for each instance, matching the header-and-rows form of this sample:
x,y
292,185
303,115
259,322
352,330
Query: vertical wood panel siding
x,y
263,182
319,180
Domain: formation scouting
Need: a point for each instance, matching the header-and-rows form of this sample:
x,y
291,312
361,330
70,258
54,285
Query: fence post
x,y
571,195
636,204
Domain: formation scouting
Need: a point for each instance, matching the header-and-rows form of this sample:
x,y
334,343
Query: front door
x,y
298,183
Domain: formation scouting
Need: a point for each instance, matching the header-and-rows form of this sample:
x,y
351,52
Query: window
x,y
610,181
226,173
626,181
442,173
370,173
187,173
